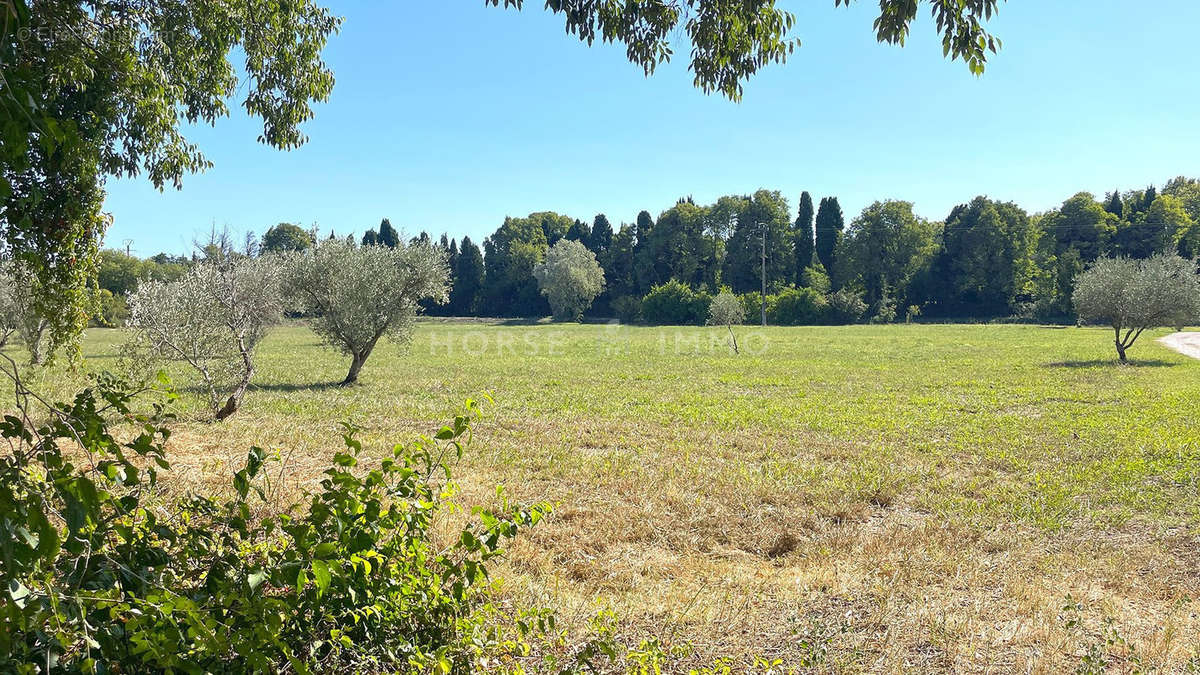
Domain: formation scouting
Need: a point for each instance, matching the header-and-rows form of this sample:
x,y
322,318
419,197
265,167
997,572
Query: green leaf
x,y
256,578
18,592
321,576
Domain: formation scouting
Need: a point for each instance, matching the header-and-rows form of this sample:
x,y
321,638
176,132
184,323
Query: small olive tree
x,y
358,294
726,310
570,278
1134,295
212,319
21,311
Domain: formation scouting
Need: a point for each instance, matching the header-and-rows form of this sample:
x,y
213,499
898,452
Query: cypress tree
x,y
579,232
388,236
468,279
602,234
804,244
829,231
1115,205
370,238
1148,198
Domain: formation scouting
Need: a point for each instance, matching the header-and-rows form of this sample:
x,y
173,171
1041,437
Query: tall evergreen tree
x,y
804,244
602,234
579,231
1148,198
643,226
388,236
830,223
468,273
643,229
1115,205
370,238
618,266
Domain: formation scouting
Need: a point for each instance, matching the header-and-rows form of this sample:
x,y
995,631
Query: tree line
x,y
987,259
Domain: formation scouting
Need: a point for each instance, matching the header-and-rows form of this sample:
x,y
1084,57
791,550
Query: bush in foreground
x,y
100,575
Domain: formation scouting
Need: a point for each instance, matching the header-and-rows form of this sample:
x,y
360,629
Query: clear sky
x,y
449,115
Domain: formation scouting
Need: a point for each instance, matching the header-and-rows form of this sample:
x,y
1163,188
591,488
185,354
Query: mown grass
x,y
857,498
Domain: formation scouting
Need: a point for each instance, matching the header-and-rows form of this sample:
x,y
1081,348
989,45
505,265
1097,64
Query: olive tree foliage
x,y
92,89
726,310
359,294
570,278
1132,296
212,319
732,39
20,312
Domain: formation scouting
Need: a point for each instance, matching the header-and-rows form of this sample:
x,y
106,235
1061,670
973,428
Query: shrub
x,y
815,278
212,319
114,311
846,306
1132,296
752,307
885,310
103,576
675,304
627,308
796,307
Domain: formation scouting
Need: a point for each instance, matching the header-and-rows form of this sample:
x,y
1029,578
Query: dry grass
x,y
854,499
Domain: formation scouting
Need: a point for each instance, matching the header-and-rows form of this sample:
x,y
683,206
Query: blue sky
x,y
447,116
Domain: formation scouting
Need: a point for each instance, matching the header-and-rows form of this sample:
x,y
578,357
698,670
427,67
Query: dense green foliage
x,y
675,303
102,88
987,260
103,574
286,237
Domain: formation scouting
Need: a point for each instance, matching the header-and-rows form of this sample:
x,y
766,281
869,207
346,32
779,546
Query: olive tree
x,y
21,311
358,294
727,310
211,319
570,278
1134,295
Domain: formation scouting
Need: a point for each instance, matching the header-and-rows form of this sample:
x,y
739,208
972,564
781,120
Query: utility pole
x,y
764,274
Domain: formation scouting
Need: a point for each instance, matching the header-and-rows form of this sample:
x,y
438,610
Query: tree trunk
x,y
734,338
356,364
359,357
1121,351
235,399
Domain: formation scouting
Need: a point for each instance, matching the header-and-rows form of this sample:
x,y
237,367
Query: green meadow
x,y
849,498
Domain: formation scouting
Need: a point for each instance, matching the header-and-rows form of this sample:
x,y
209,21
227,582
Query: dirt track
x,y
1184,343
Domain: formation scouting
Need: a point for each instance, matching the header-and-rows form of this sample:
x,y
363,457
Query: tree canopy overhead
x,y
100,88
732,39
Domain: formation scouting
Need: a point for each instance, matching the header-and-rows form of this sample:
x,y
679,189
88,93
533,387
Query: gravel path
x,y
1184,343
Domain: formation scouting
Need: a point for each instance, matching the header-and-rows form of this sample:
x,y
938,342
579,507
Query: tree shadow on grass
x,y
291,387
1098,363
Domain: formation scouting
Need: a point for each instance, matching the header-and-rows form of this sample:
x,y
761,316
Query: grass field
x,y
857,499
